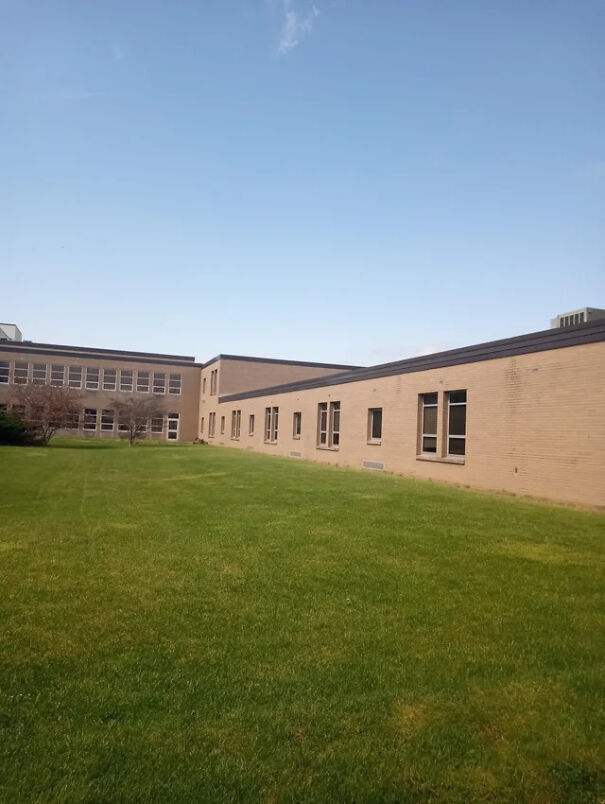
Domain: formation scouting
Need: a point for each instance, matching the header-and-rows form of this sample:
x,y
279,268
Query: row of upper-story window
x,y
90,378
446,432
107,420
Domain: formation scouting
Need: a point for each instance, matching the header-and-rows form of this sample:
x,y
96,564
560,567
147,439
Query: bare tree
x,y
134,412
46,409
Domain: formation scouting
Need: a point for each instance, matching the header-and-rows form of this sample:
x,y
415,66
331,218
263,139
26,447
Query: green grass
x,y
198,624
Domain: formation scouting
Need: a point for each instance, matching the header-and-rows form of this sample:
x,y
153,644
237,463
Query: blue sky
x,y
342,181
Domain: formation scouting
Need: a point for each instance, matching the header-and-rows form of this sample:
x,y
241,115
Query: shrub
x,y
13,430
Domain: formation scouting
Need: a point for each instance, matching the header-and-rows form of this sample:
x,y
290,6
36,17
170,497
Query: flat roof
x,y
96,353
281,362
544,340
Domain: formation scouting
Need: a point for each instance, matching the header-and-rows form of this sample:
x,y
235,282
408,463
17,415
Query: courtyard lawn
x,y
199,624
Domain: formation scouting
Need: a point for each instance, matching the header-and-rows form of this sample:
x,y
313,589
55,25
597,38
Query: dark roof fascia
x,y
36,346
93,354
248,359
545,340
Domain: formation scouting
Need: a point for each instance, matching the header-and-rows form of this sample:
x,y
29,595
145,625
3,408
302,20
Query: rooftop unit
x,y
581,316
10,332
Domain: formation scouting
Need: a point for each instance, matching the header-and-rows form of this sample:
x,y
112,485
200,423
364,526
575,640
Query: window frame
x,y
20,378
57,375
271,424
143,387
5,372
251,423
172,432
424,405
108,426
371,438
89,382
126,381
90,415
108,385
328,434
297,424
160,384
455,437
175,381
36,379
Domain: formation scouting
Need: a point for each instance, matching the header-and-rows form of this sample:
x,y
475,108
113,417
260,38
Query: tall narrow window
x,y
173,427
211,425
456,423
157,424
159,382
428,414
202,425
142,382
90,418
271,424
374,425
174,384
4,371
236,424
72,421
21,373
328,425
296,424
322,424
40,373
222,425
92,379
251,424
107,420
57,374
213,381
75,377
109,379
126,380
203,385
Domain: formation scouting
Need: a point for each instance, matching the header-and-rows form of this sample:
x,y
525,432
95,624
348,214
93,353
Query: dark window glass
x,y
457,420
457,396
430,421
429,444
429,399
457,446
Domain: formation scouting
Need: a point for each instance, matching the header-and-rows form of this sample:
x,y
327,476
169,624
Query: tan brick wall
x,y
236,376
535,423
186,405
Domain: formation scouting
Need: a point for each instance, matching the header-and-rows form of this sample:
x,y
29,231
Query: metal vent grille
x,y
295,454
373,465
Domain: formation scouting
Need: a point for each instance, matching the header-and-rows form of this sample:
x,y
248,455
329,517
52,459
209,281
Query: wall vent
x,y
373,465
250,449
295,454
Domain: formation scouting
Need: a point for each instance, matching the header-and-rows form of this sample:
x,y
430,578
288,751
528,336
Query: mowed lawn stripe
x,y
187,623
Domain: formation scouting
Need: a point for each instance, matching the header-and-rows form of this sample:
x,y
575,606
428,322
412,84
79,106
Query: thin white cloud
x,y
295,26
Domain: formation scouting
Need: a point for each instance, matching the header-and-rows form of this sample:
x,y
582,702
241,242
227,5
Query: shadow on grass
x,y
107,443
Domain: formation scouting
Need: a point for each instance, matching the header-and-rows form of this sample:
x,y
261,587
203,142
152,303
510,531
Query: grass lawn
x,y
199,624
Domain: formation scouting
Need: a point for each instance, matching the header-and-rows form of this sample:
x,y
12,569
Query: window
x,y
21,373
213,381
159,383
4,371
93,375
90,418
39,374
142,382
173,426
75,377
211,424
328,425
107,420
297,425
202,425
251,424
271,423
374,425
126,380
157,424
428,421
123,424
456,423
174,384
222,425
109,379
204,385
57,375
236,423
72,421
